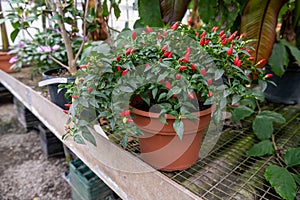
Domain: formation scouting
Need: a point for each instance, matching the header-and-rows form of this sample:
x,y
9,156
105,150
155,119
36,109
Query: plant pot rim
x,y
156,115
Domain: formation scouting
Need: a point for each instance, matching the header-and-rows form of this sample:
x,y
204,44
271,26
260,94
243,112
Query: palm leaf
x,y
259,21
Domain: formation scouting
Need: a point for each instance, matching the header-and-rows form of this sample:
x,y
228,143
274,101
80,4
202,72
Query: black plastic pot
x,y
287,90
56,97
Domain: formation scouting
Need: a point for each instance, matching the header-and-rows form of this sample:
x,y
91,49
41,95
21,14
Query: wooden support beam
x,y
124,173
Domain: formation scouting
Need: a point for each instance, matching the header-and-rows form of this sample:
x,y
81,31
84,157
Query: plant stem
x,y
278,157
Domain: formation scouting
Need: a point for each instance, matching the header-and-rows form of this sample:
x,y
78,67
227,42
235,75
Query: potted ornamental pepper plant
x,y
164,84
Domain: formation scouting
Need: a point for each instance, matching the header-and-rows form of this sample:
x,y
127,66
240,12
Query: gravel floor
x,y
25,171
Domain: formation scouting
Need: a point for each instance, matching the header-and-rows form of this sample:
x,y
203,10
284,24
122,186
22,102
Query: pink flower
x,y
21,44
41,49
55,47
13,60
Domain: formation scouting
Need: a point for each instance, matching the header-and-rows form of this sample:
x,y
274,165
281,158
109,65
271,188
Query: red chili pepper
x,y
133,35
132,51
164,48
90,90
209,94
125,72
215,29
168,85
190,20
203,72
242,35
224,42
236,60
122,114
193,66
262,61
68,105
159,36
118,58
148,29
129,120
191,95
165,33
202,41
203,34
82,66
206,42
182,67
147,64
221,33
166,54
74,97
174,96
175,26
170,55
127,52
268,75
231,37
119,68
229,51
223,36
127,112
178,76
66,111
251,58
209,81
185,59
188,51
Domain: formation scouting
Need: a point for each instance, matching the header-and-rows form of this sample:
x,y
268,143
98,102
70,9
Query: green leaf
x,y
278,59
88,135
117,10
274,116
297,178
178,127
149,12
292,157
262,127
14,34
282,181
124,140
241,112
295,52
235,99
105,12
126,89
78,139
262,148
218,73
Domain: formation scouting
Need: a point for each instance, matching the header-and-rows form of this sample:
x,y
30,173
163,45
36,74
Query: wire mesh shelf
x,y
227,172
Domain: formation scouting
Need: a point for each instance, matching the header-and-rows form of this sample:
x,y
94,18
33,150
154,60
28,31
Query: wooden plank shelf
x,y
124,173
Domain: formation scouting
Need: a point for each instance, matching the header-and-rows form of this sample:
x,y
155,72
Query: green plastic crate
x,y
86,185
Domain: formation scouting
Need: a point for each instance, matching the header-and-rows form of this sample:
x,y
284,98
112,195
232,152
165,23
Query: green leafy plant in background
x,y
259,21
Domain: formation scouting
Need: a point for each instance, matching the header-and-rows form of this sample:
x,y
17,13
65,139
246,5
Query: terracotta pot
x,y
161,147
4,64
